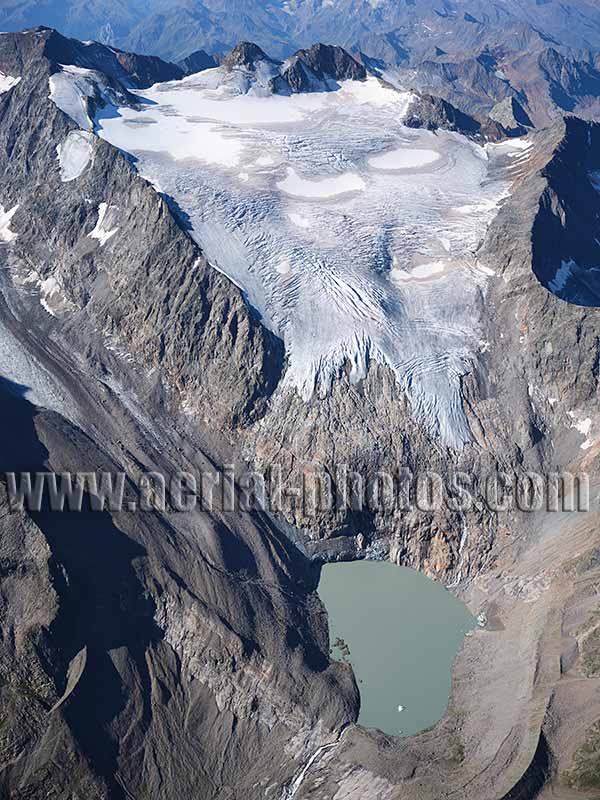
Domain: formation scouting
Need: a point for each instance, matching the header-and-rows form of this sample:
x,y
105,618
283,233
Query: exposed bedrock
x,y
566,234
154,295
245,54
430,112
137,648
319,63
512,116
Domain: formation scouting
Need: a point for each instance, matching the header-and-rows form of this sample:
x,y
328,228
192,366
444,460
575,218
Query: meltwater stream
x,y
400,631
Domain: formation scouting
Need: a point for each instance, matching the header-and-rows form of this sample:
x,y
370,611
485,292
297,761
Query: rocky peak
x,y
566,233
197,61
306,69
46,45
245,54
427,111
331,61
569,79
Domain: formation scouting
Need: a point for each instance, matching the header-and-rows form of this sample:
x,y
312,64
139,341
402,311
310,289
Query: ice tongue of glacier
x,y
348,255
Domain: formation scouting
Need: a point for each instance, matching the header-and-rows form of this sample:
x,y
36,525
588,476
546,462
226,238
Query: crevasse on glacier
x,y
353,236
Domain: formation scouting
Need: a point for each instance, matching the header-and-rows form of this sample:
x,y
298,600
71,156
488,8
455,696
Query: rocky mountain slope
x,y
161,653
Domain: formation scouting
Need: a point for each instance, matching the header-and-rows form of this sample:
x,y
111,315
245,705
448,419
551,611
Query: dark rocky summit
x,y
566,247
308,70
572,82
245,54
317,69
430,112
142,71
197,62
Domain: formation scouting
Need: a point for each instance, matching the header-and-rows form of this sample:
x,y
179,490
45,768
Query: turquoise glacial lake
x,y
401,632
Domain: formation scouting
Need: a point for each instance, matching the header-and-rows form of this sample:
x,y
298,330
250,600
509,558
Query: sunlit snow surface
x,y
7,82
69,89
353,236
74,155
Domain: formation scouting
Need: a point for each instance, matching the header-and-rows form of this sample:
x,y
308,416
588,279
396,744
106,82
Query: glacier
x,y
353,237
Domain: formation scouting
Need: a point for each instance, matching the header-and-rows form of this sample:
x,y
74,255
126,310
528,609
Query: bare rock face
x,y
141,70
566,249
307,68
186,304
245,54
571,81
511,115
117,623
197,61
432,113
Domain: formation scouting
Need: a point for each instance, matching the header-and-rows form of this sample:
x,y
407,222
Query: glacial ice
x,y
70,90
345,260
74,155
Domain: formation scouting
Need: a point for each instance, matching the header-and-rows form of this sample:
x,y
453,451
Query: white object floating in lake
x,y
400,708
404,158
320,188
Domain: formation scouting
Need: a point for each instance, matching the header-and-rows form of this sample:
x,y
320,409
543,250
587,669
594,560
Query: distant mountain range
x,y
396,30
545,54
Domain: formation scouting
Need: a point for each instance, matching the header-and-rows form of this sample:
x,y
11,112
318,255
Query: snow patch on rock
x,y
6,235
584,426
563,274
7,82
107,217
70,90
51,293
74,155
